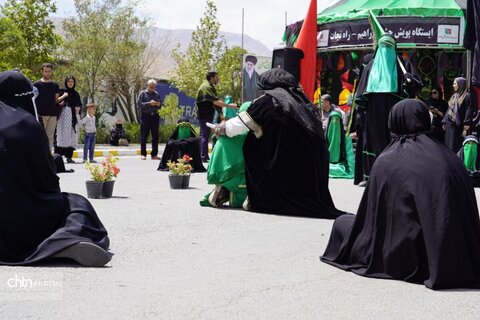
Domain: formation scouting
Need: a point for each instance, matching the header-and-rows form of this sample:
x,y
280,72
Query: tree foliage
x,y
12,45
87,43
170,111
30,17
106,45
229,68
202,54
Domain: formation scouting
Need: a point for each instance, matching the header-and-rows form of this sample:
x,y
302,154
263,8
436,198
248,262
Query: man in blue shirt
x,y
149,104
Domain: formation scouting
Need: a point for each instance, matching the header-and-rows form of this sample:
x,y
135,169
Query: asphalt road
x,y
176,260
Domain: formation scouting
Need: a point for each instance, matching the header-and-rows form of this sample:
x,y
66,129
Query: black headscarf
x,y
409,117
288,97
16,91
73,99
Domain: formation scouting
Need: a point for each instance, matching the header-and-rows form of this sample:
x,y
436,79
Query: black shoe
x,y
218,196
86,253
70,160
205,160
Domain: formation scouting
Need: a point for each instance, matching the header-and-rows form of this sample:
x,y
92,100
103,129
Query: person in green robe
x,y
226,171
470,158
342,159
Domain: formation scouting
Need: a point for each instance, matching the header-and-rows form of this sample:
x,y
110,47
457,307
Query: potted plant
x,y
95,185
101,185
110,171
179,176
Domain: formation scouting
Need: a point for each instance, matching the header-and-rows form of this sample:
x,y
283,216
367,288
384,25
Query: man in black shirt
x,y
46,101
149,104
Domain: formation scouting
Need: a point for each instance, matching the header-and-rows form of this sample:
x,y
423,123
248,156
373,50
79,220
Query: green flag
x,y
377,29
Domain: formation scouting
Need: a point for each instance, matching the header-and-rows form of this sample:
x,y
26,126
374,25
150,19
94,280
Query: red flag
x,y
344,79
307,42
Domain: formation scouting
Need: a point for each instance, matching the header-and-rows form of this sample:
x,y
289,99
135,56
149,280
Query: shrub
x,y
132,130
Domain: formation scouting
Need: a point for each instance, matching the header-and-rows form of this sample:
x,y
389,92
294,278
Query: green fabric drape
x,y
343,170
470,156
229,113
334,133
383,76
206,92
183,130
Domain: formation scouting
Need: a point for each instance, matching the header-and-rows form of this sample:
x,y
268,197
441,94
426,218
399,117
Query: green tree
x,y
31,18
12,45
202,54
170,111
130,59
87,44
229,68
106,45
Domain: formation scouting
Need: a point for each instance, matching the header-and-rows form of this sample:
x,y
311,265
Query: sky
x,y
264,19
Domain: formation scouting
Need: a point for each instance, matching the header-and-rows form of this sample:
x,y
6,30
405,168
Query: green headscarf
x,y
470,155
383,76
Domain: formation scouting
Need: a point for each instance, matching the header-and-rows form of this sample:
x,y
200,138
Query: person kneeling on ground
x,y
418,218
283,124
37,220
226,171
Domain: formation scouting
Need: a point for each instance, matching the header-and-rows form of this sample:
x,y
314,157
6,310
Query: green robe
x,y
340,166
470,156
227,167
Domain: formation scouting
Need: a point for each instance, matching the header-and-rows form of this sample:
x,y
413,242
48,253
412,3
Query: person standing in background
x,y
149,104
67,121
207,102
46,101
438,107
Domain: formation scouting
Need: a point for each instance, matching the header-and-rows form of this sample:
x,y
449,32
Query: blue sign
x,y
185,102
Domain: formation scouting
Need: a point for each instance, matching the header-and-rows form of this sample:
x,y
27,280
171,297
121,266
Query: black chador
x,y
37,220
286,156
418,218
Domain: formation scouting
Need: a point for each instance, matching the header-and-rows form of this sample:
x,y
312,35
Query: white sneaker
x,y
246,204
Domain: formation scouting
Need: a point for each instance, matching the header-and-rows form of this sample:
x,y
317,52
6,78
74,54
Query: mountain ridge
x,y
166,39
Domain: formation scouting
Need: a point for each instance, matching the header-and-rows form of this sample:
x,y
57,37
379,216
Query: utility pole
x,y
243,24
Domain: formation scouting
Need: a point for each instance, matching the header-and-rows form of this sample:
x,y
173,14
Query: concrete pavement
x,y
177,260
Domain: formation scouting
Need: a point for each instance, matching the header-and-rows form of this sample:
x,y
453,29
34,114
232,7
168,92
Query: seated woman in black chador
x,y
183,140
118,136
418,218
37,220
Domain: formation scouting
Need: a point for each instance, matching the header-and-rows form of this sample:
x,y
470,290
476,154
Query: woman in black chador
x,y
286,155
418,218
459,115
183,141
37,220
67,121
438,108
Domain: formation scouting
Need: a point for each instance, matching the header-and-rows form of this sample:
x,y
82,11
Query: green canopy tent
x,y
428,32
413,23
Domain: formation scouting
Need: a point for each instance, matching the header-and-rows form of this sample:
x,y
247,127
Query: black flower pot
x,y
94,189
107,189
186,181
179,181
